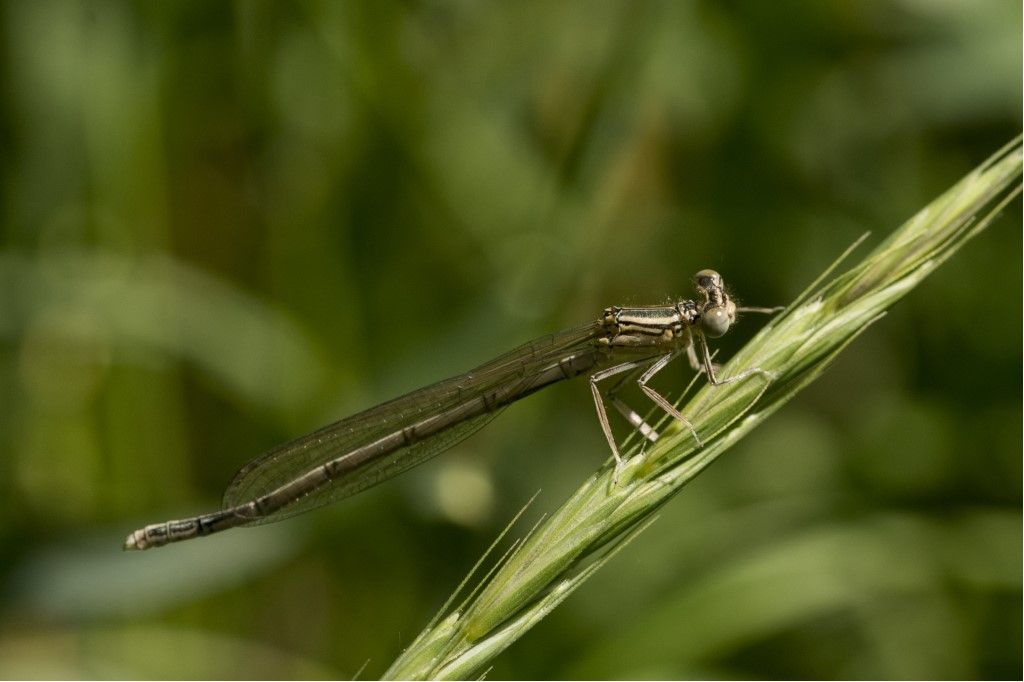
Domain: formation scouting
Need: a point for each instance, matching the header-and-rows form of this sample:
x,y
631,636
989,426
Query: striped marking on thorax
x,y
638,327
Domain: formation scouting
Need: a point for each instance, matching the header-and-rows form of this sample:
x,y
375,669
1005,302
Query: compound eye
x,y
707,279
715,322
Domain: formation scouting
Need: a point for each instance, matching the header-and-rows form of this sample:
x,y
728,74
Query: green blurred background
x,y
225,224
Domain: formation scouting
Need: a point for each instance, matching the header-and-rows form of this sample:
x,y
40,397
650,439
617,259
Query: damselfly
x,y
365,449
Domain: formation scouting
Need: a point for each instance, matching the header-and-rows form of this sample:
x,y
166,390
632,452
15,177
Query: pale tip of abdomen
x,y
135,540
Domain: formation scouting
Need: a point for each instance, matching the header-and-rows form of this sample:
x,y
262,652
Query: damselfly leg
x,y
632,416
702,364
709,367
648,432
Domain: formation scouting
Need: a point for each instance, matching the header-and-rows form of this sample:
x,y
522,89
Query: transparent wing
x,y
290,460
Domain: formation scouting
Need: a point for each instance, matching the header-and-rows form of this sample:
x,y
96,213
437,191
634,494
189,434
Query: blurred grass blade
x,y
795,347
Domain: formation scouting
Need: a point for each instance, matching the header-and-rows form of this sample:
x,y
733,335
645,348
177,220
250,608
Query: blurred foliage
x,y
225,224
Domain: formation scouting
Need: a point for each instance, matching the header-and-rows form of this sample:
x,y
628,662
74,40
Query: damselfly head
x,y
707,279
718,312
716,321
